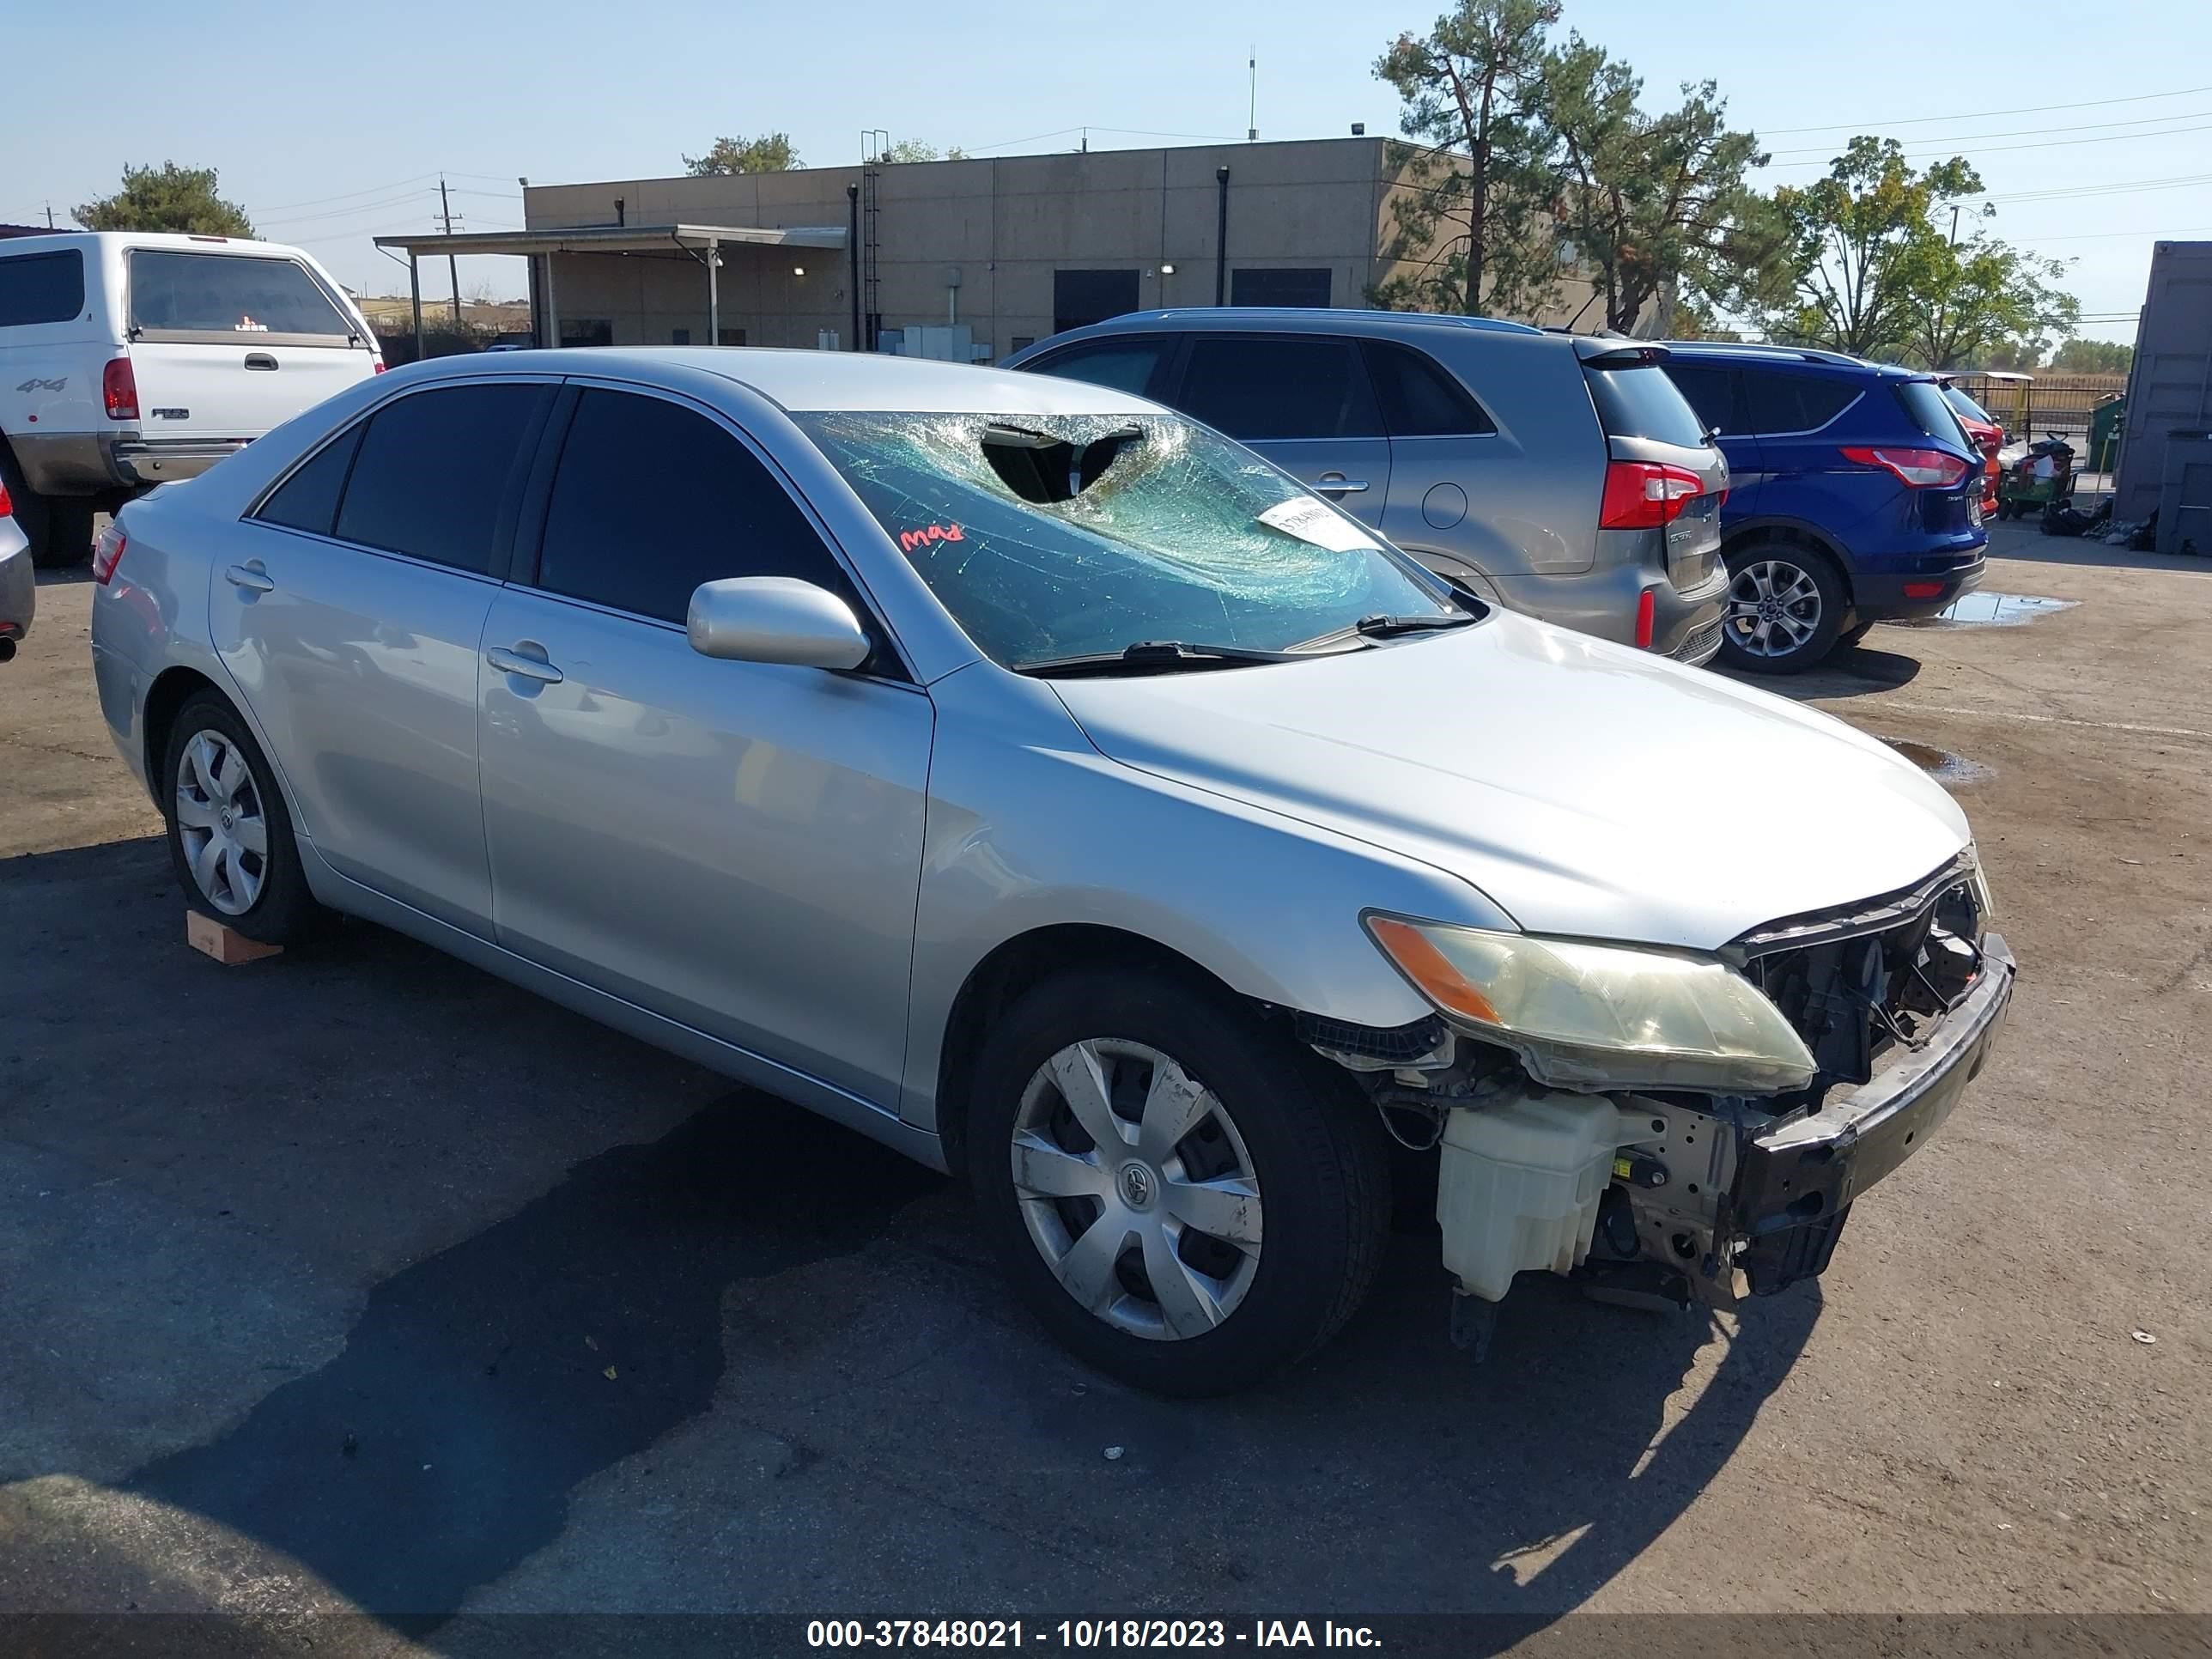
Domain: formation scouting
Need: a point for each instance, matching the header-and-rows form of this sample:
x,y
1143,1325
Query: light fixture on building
x,y
1166,270
799,271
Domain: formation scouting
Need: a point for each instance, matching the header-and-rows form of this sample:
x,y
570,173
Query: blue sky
x,y
331,123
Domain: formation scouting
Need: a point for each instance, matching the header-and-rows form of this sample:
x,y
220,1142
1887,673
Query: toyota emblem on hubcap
x,y
1136,1185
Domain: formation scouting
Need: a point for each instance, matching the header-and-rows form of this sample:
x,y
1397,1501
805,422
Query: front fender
x,y
1030,827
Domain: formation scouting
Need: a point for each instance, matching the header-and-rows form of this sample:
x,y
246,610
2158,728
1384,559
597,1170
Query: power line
x,y
2048,144
348,195
347,213
1984,114
2161,231
2068,192
2019,132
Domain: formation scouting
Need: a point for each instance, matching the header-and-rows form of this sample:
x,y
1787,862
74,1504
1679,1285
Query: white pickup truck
x,y
129,359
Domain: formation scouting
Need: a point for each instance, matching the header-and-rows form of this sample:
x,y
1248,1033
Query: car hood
x,y
1585,788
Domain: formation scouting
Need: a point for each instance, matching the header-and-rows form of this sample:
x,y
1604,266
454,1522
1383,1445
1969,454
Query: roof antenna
x,y
1252,109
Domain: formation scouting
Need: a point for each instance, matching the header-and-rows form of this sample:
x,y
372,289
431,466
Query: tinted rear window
x,y
1966,406
1781,400
229,294
1641,401
433,471
1420,399
41,287
1710,388
1254,388
309,499
1930,411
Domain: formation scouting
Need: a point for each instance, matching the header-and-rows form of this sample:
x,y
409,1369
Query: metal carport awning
x,y
700,242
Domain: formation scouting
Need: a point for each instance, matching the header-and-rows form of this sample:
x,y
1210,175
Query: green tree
x,y
1650,199
1863,252
1966,300
1474,213
2094,357
916,149
166,197
772,152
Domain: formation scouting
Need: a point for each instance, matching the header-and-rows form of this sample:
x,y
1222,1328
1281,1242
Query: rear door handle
x,y
1335,483
261,360
516,661
250,576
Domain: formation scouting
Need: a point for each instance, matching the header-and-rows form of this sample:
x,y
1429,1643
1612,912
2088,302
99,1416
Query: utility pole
x,y
453,266
49,216
1252,107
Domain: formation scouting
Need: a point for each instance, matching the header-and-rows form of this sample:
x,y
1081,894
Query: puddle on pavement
x,y
1987,609
1952,771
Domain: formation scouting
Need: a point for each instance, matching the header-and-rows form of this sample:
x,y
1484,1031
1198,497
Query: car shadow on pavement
x,y
1856,671
481,1385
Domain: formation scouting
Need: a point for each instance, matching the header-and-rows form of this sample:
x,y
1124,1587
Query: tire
x,y
1264,1114
69,534
1853,635
263,894
1809,605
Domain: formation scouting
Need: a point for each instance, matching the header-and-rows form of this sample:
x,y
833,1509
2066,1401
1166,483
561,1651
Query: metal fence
x,y
2030,407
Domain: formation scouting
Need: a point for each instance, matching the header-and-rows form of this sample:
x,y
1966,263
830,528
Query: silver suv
x,y
1561,475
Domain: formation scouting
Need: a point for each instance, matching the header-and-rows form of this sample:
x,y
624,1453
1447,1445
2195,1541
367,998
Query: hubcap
x,y
1773,608
219,820
1137,1188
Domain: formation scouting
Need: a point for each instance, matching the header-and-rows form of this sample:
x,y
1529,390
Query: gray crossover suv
x,y
1561,474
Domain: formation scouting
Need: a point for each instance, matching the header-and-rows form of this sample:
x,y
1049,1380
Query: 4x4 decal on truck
x,y
44,385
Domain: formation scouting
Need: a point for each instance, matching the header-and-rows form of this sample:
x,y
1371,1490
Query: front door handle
x,y
261,360
519,661
250,576
1335,483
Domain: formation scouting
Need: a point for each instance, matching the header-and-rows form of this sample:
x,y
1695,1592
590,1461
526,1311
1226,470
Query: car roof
x,y
1812,357
50,240
800,380
1293,318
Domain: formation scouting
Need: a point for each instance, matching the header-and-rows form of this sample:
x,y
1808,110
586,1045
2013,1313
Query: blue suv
x,y
1855,497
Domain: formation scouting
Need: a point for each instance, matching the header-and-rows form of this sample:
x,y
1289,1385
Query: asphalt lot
x,y
357,1280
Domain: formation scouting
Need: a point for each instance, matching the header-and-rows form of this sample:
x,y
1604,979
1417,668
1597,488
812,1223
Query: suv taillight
x,y
1917,468
107,553
7,507
1645,494
118,389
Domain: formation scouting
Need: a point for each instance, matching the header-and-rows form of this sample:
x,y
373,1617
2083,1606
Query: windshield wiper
x,y
1154,657
1381,626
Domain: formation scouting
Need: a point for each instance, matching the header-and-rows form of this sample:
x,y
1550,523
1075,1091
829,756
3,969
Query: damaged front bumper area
x,y
1731,1203
1680,1195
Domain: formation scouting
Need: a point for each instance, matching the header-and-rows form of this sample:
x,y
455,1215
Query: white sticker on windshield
x,y
1310,521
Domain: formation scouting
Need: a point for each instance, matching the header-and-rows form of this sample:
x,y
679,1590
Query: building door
x,y
1080,298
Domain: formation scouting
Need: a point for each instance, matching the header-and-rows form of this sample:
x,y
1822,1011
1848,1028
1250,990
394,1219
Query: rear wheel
x,y
230,838
1184,1197
1853,635
1786,604
69,534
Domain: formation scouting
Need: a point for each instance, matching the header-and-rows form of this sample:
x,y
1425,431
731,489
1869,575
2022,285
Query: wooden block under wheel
x,y
223,942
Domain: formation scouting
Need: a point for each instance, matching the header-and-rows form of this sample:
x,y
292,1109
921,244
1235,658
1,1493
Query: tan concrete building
x,y
987,255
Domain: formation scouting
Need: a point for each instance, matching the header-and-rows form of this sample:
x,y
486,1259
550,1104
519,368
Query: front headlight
x,y
1985,904
1602,1016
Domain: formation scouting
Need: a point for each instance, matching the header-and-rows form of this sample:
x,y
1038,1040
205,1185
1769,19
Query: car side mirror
x,y
778,619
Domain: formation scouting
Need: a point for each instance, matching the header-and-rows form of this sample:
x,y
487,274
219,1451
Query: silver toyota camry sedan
x,y
1041,783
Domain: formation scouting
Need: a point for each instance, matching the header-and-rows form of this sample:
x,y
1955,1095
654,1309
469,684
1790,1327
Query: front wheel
x,y
230,837
1786,604
1184,1197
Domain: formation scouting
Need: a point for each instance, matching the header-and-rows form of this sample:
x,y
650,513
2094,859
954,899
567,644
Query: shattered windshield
x,y
1053,536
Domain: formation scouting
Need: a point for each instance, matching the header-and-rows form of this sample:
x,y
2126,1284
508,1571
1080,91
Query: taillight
x,y
6,506
107,553
118,388
1917,468
1647,611
376,365
1645,494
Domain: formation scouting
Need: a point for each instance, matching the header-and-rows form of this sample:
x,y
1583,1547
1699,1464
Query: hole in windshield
x,y
1049,538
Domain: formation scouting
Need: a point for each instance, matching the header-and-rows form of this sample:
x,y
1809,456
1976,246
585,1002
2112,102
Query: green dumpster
x,y
2106,422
